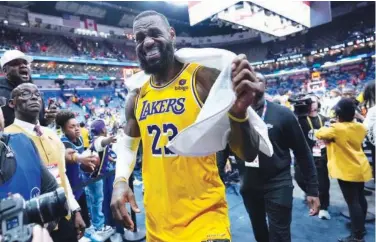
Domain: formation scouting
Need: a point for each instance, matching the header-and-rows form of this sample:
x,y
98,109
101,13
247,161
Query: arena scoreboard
x,y
275,18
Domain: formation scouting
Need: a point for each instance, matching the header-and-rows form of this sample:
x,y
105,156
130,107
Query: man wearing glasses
x,y
16,66
26,102
31,178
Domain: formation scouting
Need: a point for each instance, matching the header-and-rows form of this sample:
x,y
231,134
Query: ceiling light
x,y
178,2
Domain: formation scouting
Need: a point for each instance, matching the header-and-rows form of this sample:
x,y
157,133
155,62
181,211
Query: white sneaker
x,y
116,238
324,214
89,231
102,234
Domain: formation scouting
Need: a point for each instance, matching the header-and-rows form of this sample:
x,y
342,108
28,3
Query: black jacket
x,y
308,133
284,134
6,89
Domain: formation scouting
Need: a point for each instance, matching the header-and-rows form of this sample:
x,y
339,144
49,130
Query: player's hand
x,y
245,84
121,195
314,205
112,139
50,114
79,224
69,153
41,235
88,163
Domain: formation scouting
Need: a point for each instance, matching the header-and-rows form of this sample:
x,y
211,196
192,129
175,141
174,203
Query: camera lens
x,y
47,207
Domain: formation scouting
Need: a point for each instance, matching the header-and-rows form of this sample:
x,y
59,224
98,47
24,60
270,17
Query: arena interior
x,y
83,54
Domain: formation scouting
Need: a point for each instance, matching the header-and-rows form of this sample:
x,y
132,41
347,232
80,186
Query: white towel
x,y
209,133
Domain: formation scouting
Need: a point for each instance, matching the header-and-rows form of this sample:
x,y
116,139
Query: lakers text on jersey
x,y
184,197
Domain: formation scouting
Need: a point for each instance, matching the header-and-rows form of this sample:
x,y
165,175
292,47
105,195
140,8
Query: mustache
x,y
142,54
166,52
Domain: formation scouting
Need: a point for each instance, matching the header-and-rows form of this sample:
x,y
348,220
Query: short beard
x,y
167,57
17,80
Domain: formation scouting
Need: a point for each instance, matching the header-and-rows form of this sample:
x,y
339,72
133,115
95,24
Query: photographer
x,y
310,121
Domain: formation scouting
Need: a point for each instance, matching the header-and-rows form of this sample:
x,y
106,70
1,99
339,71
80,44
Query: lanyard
x,y
310,122
264,111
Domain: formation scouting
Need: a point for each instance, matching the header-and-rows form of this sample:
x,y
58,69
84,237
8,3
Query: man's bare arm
x,y
129,143
243,139
131,128
122,194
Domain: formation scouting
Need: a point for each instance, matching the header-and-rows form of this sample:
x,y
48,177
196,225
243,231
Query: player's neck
x,y
170,72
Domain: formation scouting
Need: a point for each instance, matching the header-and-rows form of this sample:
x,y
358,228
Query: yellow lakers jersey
x,y
184,197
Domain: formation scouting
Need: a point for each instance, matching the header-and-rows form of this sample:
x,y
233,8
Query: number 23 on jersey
x,y
167,129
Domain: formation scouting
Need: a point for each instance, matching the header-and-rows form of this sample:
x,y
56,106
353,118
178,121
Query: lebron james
x,y
184,196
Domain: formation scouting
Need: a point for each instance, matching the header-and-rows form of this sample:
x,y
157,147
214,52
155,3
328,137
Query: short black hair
x,y
345,109
63,117
82,124
151,13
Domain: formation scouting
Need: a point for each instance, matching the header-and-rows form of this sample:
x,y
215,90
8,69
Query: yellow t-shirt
x,y
85,137
184,196
346,159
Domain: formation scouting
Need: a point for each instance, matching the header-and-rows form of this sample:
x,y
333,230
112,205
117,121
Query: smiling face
x,y
18,71
154,43
26,100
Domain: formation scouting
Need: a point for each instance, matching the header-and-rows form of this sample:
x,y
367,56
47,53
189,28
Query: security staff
x,y
266,182
310,125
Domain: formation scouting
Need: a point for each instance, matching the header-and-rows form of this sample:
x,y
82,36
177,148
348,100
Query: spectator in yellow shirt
x,y
348,163
85,135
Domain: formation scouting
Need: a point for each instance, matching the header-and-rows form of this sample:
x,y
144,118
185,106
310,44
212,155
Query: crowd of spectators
x,y
56,45
76,69
353,75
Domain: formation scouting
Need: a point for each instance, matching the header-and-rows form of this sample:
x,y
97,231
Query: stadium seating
x,y
62,46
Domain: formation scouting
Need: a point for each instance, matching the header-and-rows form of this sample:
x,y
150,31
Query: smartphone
x,y
50,103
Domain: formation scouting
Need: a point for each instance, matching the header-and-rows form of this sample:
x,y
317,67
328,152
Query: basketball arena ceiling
x,y
121,14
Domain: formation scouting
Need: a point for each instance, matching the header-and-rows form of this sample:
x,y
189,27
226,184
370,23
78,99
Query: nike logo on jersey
x,y
175,105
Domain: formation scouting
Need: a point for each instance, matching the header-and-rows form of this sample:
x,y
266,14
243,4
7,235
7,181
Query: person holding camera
x,y
16,66
26,101
310,124
348,163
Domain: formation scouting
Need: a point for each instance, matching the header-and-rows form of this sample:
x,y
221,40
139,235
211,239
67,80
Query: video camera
x,y
302,104
17,215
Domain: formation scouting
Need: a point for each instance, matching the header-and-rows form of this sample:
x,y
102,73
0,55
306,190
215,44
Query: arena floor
x,y
304,228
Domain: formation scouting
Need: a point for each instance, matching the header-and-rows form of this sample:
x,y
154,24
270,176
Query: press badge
x,y
316,151
254,163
